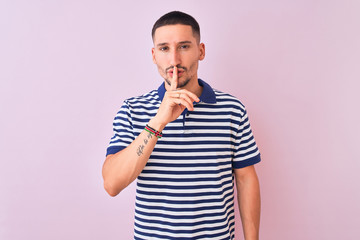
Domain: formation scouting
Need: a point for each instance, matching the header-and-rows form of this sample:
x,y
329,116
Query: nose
x,y
175,58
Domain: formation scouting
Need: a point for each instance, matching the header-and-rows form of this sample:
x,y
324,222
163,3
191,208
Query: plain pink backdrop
x,y
67,66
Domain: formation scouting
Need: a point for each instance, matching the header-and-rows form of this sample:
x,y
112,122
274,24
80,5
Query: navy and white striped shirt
x,y
186,190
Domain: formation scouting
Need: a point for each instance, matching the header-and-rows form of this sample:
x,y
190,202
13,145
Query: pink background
x,y
67,66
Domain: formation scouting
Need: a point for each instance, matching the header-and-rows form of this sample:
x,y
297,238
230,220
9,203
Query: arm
x,y
120,169
248,194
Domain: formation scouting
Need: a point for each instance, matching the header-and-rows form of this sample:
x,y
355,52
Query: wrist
x,y
158,126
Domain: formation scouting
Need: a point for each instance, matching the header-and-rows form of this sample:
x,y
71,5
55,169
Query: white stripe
x,y
194,146
191,154
181,169
188,161
247,156
194,138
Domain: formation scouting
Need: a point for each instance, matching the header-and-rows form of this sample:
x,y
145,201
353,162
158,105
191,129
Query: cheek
x,y
161,61
192,59
193,66
161,70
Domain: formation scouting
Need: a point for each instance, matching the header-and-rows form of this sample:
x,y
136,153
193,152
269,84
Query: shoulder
x,y
147,98
230,101
140,105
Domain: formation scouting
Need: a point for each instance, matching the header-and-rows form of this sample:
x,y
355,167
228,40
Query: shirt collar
x,y
207,95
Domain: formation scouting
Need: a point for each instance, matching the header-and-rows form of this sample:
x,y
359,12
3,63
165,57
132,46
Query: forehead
x,y
174,33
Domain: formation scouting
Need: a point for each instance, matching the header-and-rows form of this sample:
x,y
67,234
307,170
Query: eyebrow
x,y
182,42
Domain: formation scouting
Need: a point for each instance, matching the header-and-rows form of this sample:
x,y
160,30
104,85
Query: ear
x,y
153,55
202,51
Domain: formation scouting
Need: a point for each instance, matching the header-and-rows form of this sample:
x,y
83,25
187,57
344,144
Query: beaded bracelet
x,y
153,131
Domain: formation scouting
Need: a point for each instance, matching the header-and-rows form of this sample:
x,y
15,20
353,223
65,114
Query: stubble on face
x,y
185,71
181,84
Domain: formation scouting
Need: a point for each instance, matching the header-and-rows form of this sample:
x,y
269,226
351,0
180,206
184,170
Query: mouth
x,y
180,72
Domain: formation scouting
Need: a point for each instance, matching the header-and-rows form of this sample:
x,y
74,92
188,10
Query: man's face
x,y
175,45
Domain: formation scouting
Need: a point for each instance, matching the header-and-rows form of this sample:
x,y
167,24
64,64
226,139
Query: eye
x,y
164,49
184,46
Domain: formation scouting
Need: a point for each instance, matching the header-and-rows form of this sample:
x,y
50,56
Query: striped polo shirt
x,y
186,190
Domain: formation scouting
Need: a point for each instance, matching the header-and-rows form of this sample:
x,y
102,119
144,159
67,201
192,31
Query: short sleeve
x,y
123,130
246,151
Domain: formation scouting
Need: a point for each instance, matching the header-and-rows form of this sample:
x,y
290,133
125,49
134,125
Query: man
x,y
184,142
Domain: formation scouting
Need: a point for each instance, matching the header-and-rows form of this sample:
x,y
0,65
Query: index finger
x,y
174,80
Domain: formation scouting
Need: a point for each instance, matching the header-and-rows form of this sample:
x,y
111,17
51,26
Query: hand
x,y
174,102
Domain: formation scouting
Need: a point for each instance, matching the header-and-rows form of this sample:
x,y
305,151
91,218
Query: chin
x,y
184,83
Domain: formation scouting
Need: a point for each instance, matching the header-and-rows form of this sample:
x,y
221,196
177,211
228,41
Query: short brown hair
x,y
177,17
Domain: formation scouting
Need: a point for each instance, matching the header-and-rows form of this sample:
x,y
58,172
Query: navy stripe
x,y
247,162
154,156
199,179
185,195
185,187
183,172
150,199
194,150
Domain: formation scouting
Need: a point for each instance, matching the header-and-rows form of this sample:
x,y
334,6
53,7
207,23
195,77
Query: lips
x,y
179,71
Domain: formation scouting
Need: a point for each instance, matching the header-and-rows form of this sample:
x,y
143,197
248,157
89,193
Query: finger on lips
x,y
181,96
174,80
